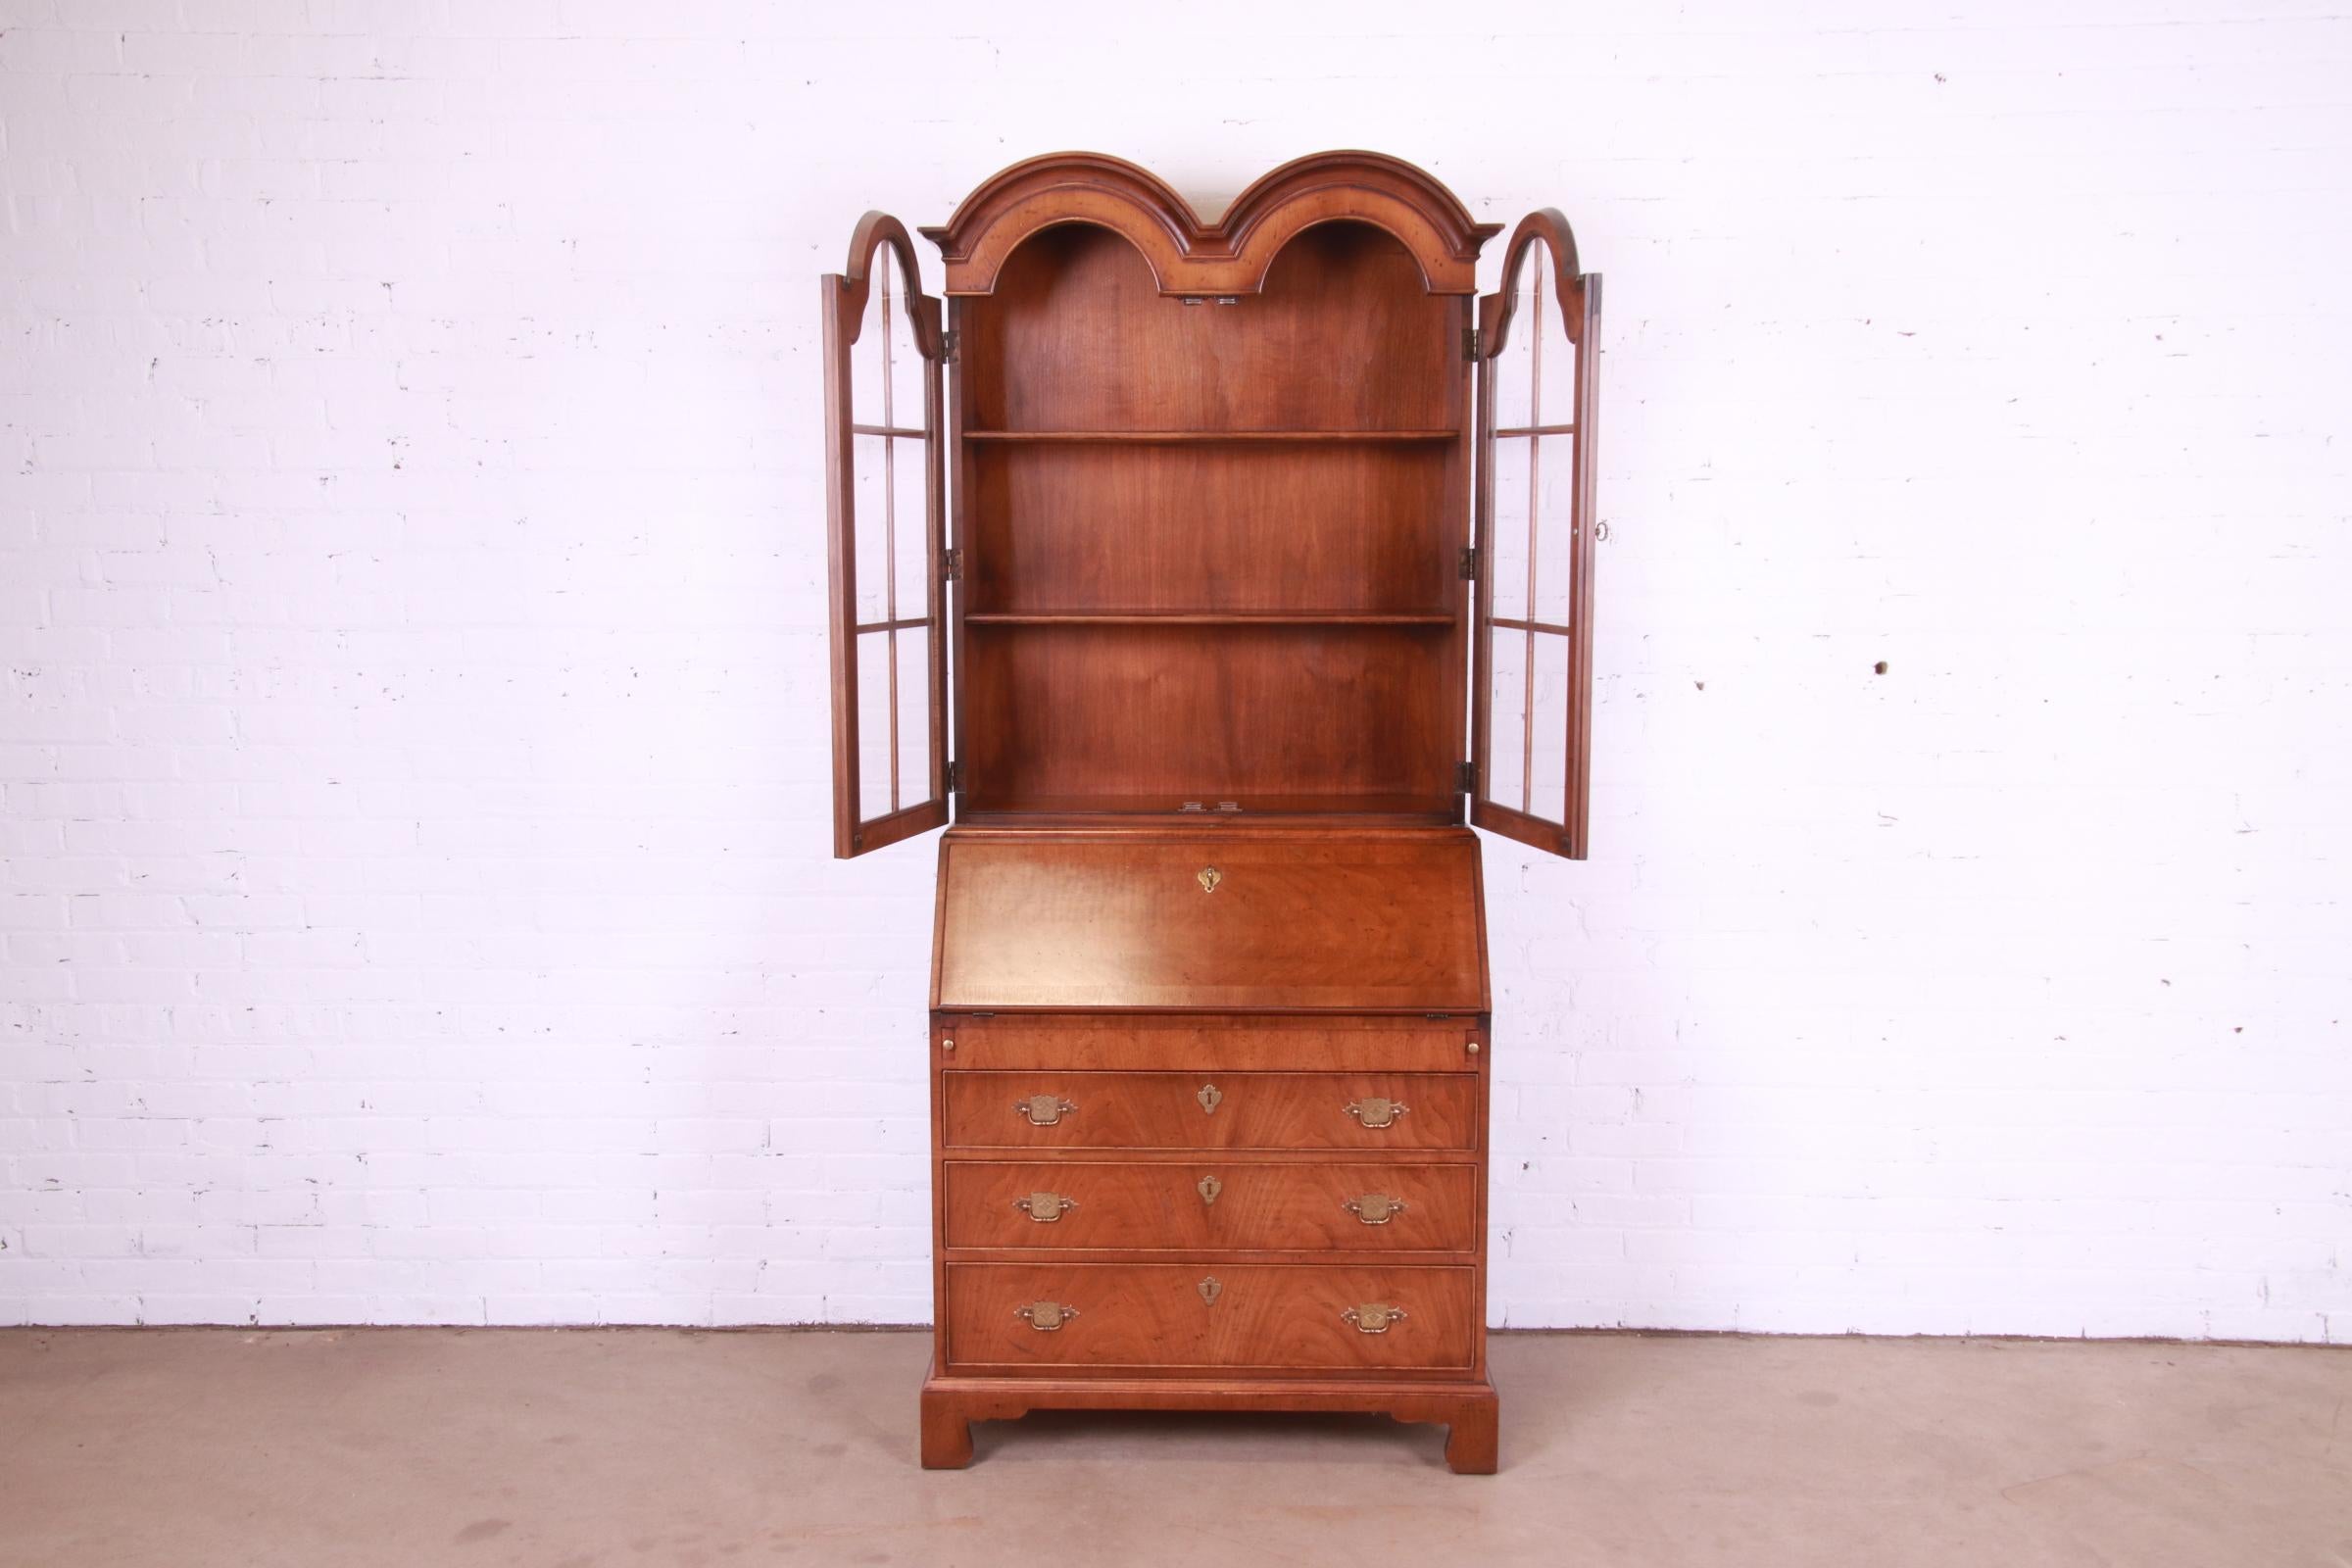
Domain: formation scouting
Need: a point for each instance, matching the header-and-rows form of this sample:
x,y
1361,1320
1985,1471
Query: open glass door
x,y
1538,342
884,346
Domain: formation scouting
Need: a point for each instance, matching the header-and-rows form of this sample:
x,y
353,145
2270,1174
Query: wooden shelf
x,y
1263,810
1180,437
1207,617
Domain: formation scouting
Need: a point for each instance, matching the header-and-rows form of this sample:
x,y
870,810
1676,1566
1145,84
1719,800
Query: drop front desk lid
x,y
1359,922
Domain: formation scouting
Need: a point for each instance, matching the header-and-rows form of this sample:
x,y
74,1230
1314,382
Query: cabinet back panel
x,y
1077,341
1317,714
1077,336
1276,526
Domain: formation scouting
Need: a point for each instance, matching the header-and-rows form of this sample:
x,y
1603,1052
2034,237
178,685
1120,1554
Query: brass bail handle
x,y
1373,1112
1046,1316
1044,1208
1375,1208
1373,1317
1043,1111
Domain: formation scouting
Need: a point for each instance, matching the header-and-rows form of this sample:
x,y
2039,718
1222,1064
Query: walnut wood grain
x,y
1353,922
1258,526
953,1401
1136,1317
1079,1042
1213,606
1233,255
1256,1206
1257,1110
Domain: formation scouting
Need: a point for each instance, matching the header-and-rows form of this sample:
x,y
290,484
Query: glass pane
x,y
914,716
874,727
1555,370
911,549
1548,762
1507,545
905,360
872,513
1514,369
1507,724
867,379
1553,459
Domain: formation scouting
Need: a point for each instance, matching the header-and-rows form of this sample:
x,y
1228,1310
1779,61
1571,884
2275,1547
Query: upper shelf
x,y
1209,618
1173,437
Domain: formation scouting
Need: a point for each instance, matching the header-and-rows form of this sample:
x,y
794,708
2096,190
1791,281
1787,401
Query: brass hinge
x,y
956,782
1470,343
949,343
1467,563
1465,778
952,566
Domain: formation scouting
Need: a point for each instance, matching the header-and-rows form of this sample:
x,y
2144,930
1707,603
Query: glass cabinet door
x,y
884,491
1538,348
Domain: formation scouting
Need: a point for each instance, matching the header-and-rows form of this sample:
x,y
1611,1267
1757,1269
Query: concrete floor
x,y
625,1448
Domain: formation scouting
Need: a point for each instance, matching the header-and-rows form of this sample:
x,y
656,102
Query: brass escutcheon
x,y
1043,1207
1375,1208
1208,876
1043,1111
1373,1112
1208,1096
1210,1288
1046,1316
1373,1317
1210,1187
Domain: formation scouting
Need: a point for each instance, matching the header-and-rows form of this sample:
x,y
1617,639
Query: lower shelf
x,y
1468,1407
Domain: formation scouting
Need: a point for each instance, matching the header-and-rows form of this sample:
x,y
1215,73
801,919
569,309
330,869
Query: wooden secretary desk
x,y
1243,561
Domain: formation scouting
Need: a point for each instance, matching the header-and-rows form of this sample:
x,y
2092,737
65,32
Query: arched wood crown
x,y
1230,256
1544,226
856,281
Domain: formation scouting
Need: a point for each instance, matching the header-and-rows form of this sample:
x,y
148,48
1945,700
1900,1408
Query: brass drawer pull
x,y
1373,1317
1376,1112
1046,1316
1045,1208
1209,1097
1375,1208
1043,1110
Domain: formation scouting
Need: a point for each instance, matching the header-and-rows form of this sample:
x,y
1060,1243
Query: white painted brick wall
x,y
417,904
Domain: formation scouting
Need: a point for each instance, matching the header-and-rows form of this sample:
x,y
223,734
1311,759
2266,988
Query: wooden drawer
x,y
1080,1044
1154,1318
1166,1110
1211,1204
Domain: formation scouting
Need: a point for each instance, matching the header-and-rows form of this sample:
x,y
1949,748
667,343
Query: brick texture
x,y
415,901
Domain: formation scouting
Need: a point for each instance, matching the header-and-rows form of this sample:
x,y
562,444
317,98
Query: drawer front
x,y
1172,1318
1211,1204
1194,1110
1097,1045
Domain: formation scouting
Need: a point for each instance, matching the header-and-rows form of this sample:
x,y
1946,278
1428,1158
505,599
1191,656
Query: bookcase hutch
x,y
1210,577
